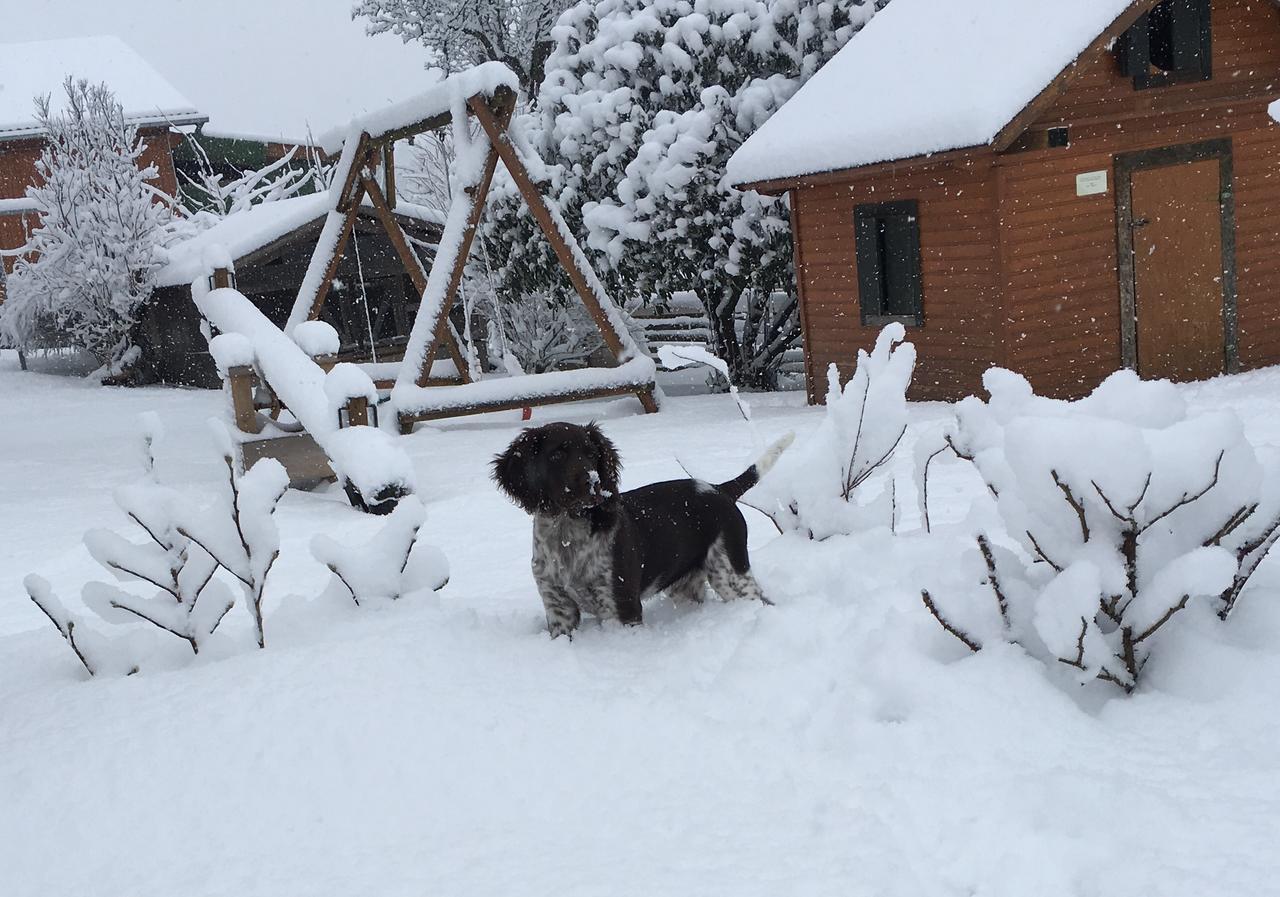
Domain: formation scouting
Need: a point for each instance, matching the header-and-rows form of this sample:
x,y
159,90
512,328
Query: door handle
x,y
1140,222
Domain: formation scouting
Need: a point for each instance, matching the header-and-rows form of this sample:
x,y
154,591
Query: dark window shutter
x,y
1171,44
902,261
1135,49
1160,33
888,250
870,276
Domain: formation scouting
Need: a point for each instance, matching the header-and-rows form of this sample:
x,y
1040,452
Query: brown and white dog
x,y
602,552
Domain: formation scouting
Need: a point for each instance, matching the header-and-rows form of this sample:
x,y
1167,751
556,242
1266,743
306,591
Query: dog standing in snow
x,y
603,552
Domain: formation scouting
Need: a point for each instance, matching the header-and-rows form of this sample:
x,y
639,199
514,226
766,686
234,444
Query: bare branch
x,y
954,630
1186,498
1164,618
1040,553
987,555
1076,504
1233,523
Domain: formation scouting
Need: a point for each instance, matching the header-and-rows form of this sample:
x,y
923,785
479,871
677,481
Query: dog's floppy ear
x,y
518,471
610,463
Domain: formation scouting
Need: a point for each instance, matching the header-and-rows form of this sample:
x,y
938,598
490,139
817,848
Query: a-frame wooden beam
x,y
476,194
346,226
566,249
412,265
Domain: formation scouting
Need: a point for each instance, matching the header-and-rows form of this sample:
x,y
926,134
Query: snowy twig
x,y
985,547
1076,505
947,625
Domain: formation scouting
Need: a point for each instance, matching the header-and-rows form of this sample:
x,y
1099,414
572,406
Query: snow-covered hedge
x,y
1124,510
814,490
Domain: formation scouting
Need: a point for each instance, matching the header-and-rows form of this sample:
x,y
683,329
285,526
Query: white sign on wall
x,y
1091,182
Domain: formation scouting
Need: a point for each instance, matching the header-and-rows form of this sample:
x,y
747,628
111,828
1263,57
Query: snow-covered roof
x,y
37,68
922,77
273,70
254,228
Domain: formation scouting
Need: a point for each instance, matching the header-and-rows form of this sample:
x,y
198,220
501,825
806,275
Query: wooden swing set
x,y
434,379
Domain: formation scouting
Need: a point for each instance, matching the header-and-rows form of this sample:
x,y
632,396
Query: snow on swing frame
x,y
427,387
374,471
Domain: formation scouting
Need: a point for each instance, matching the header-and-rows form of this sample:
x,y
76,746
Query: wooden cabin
x,y
271,245
1062,189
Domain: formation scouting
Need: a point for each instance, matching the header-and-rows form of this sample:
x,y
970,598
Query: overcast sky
x,y
267,68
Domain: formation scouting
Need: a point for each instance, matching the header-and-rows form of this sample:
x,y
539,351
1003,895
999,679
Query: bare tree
x,y
462,33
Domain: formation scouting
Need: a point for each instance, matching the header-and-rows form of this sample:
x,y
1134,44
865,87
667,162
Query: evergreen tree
x,y
642,105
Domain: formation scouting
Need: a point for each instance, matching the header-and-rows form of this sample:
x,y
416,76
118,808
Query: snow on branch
x,y
816,489
1127,510
391,564
238,529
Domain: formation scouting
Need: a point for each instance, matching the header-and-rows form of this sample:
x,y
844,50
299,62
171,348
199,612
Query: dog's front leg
x,y
563,614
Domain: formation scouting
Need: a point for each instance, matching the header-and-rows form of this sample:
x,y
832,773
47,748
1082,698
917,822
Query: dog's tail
x,y
738,486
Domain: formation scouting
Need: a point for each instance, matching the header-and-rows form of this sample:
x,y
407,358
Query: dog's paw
x,y
557,628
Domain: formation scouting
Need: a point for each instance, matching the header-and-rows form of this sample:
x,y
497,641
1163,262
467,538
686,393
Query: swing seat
x,y
416,404
383,373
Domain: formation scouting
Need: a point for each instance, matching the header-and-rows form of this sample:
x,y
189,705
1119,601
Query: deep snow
x,y
837,744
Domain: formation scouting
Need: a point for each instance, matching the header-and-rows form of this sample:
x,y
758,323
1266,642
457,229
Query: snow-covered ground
x,y
837,744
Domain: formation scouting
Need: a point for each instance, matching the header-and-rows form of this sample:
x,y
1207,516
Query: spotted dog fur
x,y
603,552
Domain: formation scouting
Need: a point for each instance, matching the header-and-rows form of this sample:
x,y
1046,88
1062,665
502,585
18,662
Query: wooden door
x,y
1178,270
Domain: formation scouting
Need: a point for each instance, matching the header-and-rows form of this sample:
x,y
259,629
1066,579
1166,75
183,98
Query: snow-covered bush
x,y
814,490
90,263
1125,510
391,564
238,528
643,103
169,579
100,655
182,596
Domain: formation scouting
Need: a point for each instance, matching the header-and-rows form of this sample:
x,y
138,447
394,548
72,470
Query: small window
x,y
1169,45
888,247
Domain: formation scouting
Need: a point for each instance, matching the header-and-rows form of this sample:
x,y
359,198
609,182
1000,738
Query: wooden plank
x,y
240,380
578,395
348,197
562,243
389,172
303,459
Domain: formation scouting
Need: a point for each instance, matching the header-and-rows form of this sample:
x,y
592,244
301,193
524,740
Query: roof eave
x,y
778,186
181,119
